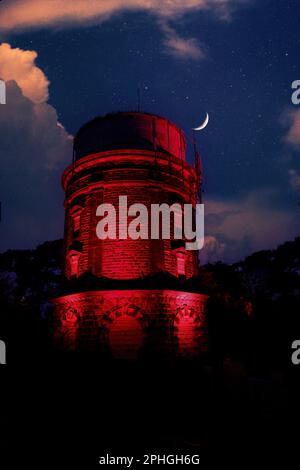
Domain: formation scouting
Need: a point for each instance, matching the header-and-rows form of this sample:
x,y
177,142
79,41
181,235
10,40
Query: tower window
x,y
181,262
75,214
73,261
76,223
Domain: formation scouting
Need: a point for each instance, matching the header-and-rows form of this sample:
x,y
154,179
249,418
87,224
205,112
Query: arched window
x,y
180,254
75,214
73,263
126,337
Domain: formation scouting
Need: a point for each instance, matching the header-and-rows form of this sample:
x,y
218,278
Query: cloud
x,y
34,150
23,14
213,250
19,65
294,179
183,48
238,227
291,119
19,15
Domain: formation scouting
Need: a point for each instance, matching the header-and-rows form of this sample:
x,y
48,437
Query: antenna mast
x,y
198,169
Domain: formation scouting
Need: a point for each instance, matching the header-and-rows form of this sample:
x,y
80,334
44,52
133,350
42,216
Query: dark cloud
x,y
236,228
34,150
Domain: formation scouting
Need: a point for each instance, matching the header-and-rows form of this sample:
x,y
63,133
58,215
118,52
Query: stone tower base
x,y
131,324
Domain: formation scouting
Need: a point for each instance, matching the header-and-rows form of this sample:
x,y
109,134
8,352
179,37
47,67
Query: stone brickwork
x,y
140,156
132,323
145,178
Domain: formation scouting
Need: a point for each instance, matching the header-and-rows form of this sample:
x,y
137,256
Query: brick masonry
x,y
132,323
142,157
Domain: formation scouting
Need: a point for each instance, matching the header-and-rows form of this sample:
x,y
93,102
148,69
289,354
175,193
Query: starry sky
x,y
66,62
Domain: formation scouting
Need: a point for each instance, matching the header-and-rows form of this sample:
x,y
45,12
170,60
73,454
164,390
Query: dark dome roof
x,y
129,130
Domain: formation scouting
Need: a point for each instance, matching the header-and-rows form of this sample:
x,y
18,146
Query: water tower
x,y
127,300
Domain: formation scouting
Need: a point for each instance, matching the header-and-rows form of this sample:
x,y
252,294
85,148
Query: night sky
x,y
235,59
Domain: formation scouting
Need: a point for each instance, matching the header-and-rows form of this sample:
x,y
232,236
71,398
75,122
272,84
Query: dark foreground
x,y
68,412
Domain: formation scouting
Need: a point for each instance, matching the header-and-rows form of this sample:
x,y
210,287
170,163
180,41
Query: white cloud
x,y
213,250
291,119
22,14
246,224
19,15
294,179
34,150
183,48
19,65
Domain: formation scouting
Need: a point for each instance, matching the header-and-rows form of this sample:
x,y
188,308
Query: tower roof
x,y
129,130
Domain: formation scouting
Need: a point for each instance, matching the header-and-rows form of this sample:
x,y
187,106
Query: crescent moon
x,y
203,125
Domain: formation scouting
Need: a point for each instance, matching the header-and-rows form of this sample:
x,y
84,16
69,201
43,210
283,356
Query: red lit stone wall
x,y
132,323
143,178
142,157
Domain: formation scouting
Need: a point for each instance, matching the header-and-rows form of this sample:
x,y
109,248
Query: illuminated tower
x,y
122,304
